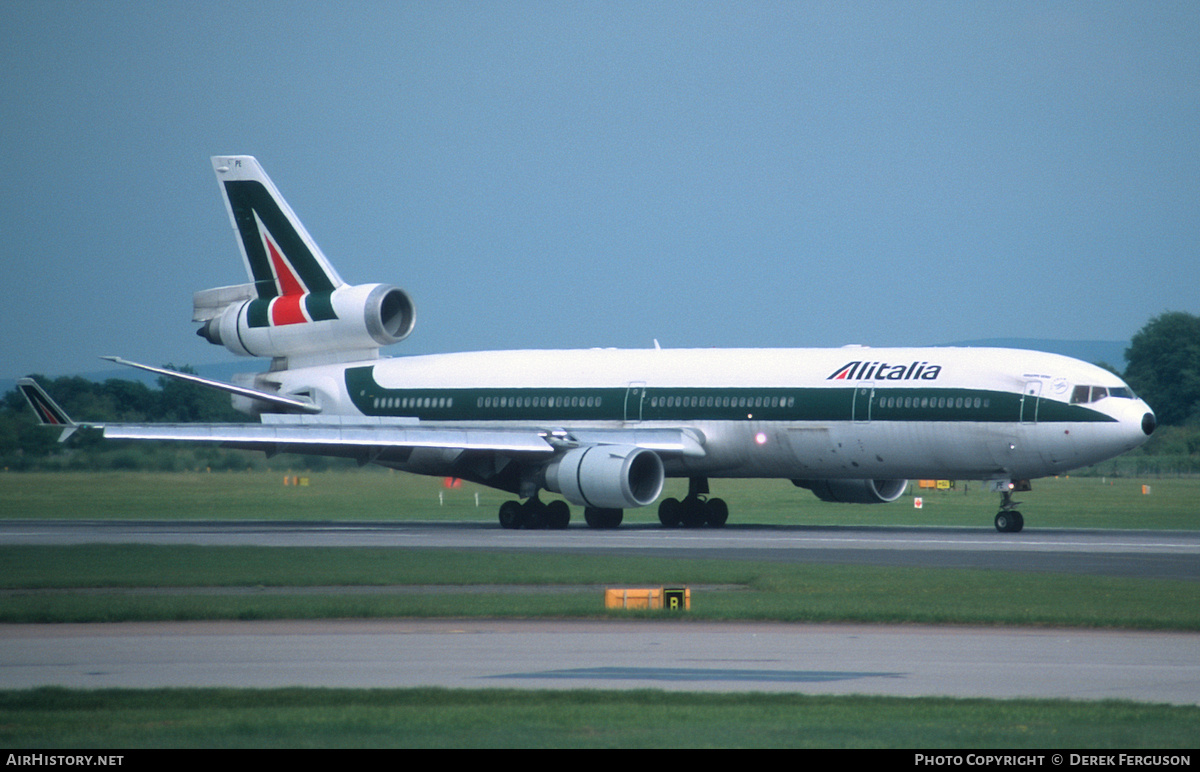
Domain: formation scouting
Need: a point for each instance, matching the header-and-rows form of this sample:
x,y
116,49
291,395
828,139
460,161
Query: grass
x,y
54,718
497,718
739,589
1066,502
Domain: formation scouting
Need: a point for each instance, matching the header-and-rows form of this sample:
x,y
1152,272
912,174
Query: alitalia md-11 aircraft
x,y
604,428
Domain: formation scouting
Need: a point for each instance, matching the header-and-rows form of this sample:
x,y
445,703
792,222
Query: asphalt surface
x,y
812,659
1148,554
816,659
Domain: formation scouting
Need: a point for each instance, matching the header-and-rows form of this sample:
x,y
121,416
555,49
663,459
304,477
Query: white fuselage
x,y
845,413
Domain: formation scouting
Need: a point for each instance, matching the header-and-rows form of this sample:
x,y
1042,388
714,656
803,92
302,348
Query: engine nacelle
x,y
855,491
358,318
607,476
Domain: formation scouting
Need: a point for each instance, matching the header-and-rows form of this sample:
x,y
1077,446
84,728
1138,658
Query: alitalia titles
x,y
882,371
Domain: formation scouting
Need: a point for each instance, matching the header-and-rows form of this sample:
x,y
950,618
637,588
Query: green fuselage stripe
x,y
686,404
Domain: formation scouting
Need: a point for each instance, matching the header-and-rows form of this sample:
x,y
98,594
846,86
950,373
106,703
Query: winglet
x,y
47,410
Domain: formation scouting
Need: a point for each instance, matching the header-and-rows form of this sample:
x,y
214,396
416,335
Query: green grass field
x,y
46,719
374,494
39,584
734,590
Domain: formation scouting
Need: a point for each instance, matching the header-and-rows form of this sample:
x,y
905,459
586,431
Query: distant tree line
x,y
24,444
1163,368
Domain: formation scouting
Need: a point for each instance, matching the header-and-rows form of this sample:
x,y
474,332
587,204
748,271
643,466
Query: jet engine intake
x,y
607,476
855,491
349,319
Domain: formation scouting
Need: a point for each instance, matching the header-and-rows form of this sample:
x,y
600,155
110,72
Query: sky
x,y
577,174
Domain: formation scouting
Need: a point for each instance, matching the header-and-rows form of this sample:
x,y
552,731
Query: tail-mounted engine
x,y
347,323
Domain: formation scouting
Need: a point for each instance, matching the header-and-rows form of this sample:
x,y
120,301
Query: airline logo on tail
x,y
291,277
47,411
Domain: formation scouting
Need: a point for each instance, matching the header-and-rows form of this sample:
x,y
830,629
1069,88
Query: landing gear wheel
x,y
1009,522
603,518
695,514
511,515
670,513
533,515
716,512
557,515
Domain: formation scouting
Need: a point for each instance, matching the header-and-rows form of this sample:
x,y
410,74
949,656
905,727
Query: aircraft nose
x,y
1148,423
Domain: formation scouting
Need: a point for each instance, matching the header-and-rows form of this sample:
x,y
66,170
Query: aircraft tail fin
x,y
282,259
47,410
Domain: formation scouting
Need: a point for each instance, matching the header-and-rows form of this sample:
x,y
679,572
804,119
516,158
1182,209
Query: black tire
x,y
533,515
670,513
694,513
1009,522
716,512
603,518
510,515
557,515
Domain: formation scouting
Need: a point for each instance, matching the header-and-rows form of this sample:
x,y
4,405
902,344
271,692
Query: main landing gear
x,y
696,510
1008,519
535,515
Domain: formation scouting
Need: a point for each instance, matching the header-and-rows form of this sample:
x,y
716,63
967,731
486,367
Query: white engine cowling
x,y
349,319
607,476
855,491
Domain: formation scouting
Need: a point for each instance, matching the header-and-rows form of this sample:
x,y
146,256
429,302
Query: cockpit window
x,y
1084,394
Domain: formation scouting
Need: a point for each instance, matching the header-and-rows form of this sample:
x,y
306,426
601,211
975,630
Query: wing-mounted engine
x,y
855,491
607,476
348,323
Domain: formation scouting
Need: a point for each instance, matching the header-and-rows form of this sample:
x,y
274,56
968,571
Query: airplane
x,y
604,428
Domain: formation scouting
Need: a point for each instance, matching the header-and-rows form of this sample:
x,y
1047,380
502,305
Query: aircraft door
x,y
864,395
635,396
1029,401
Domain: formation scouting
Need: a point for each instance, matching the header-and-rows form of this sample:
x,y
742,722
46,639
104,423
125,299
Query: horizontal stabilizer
x,y
242,391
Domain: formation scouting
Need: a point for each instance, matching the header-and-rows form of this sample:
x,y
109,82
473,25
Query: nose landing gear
x,y
1008,519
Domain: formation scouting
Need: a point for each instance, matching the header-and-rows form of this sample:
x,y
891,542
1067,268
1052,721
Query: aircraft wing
x,y
367,436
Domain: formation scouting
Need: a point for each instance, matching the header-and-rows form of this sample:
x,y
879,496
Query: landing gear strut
x,y
533,514
696,510
1008,519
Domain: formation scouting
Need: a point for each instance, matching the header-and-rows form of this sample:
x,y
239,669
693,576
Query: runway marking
x,y
701,674
884,542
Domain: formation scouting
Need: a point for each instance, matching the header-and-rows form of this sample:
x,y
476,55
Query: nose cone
x,y
1148,423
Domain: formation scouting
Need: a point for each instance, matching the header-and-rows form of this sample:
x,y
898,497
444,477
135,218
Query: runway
x,y
811,659
1147,554
672,655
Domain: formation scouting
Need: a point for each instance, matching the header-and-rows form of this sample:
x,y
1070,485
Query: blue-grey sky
x,y
566,174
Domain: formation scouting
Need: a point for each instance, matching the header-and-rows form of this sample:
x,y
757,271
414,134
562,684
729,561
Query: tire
x,y
510,515
670,513
603,518
694,514
716,512
557,515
